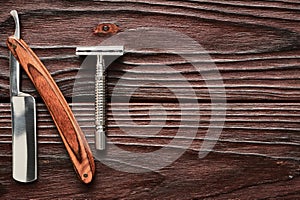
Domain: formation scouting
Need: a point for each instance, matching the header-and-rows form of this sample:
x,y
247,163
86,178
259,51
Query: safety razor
x,y
102,53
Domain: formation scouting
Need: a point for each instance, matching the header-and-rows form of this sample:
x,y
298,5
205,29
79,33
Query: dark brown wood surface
x,y
254,44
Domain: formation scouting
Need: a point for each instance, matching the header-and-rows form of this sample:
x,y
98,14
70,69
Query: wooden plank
x,y
272,80
186,178
254,45
257,60
241,134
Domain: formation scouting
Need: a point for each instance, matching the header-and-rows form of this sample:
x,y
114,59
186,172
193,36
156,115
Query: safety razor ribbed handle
x,y
70,132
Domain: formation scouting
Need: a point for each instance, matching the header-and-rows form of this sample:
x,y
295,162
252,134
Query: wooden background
x,y
255,45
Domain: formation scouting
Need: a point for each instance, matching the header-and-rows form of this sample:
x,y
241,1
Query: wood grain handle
x,y
70,132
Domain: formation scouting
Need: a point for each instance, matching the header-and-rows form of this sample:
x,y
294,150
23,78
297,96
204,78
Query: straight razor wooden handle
x,y
70,132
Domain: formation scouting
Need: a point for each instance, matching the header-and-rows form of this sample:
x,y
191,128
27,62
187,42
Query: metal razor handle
x,y
100,85
100,103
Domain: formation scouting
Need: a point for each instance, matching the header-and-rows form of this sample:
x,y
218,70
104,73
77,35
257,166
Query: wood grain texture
x,y
231,176
254,45
106,29
242,132
269,78
252,56
243,162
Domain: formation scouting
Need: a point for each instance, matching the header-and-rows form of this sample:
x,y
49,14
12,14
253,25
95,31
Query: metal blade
x,y
24,138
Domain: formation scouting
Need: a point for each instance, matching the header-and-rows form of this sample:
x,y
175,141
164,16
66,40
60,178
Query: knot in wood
x,y
106,29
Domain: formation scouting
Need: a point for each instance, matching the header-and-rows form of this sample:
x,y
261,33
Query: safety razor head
x,y
100,50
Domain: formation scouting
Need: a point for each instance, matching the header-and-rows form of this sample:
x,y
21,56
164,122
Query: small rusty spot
x,y
106,29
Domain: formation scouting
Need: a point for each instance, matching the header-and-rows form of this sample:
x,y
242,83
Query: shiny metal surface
x,y
102,53
24,144
14,65
24,138
100,103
